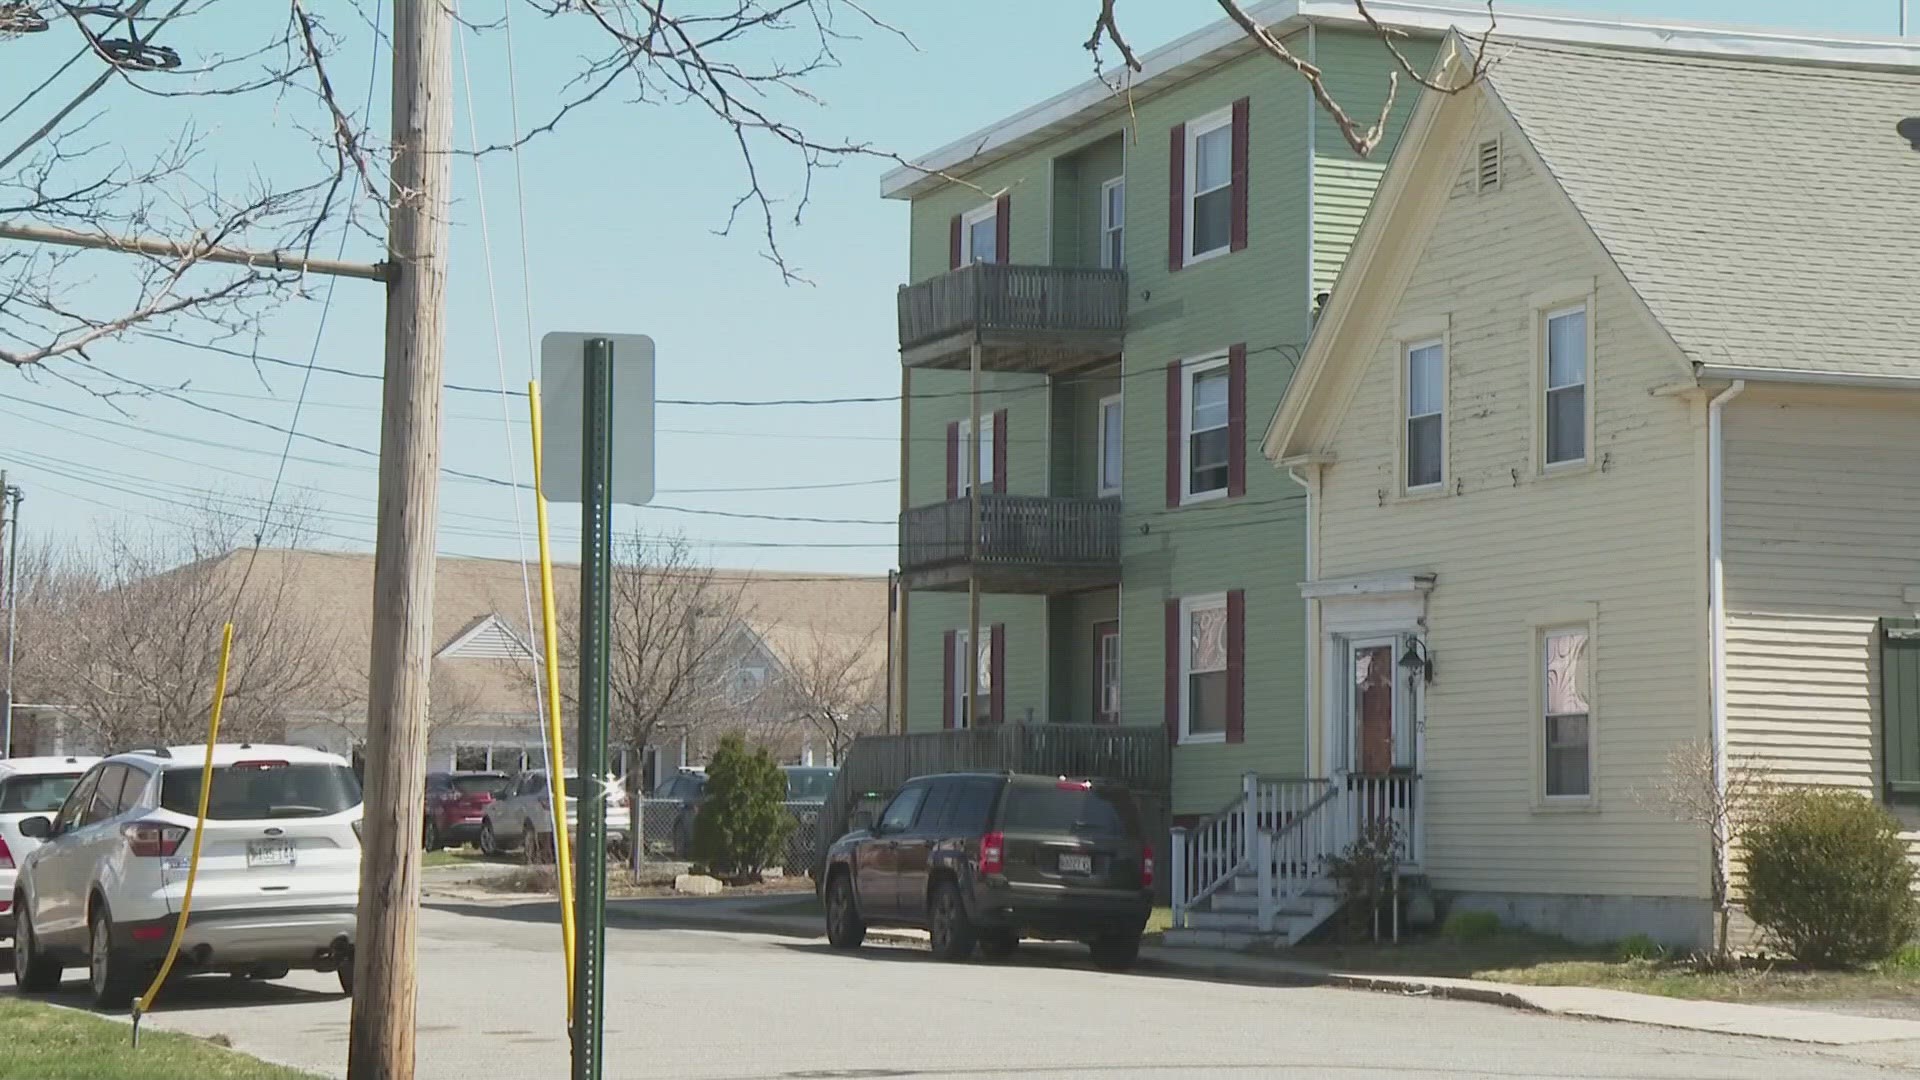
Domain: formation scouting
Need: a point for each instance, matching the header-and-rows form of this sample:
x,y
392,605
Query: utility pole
x,y
9,585
381,1037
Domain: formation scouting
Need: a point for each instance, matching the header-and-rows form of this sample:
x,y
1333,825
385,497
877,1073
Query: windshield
x,y
480,785
265,790
1070,807
805,784
40,793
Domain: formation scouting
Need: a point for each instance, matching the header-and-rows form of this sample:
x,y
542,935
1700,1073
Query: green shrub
x,y
1638,947
1470,926
1364,872
1827,877
742,823
1907,959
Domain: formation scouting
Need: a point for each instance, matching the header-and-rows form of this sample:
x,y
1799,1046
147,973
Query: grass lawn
x,y
1515,956
47,1043
461,856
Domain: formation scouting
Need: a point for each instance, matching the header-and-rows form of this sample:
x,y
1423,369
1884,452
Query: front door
x,y
1373,711
1106,673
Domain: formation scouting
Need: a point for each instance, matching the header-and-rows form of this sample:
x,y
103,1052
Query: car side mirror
x,y
36,828
863,820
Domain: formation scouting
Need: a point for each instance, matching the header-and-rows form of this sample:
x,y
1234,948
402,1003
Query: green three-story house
x,y
1139,275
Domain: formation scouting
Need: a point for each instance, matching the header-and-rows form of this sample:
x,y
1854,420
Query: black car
x,y
984,859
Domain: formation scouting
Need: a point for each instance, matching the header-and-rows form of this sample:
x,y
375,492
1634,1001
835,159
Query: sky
x,y
623,206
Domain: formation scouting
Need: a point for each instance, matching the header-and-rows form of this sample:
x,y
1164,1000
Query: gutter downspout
x,y
1717,596
1309,484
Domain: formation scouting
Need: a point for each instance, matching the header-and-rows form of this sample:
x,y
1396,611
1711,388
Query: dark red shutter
x,y
1174,440
946,679
1237,421
1003,229
1242,134
1173,670
953,460
953,243
1177,198
997,672
1237,666
999,483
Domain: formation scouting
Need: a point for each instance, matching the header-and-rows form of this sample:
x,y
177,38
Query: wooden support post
x,y
971,670
381,1036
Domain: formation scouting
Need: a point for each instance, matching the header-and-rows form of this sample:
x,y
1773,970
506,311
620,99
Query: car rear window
x,y
809,783
272,790
1069,807
480,785
38,793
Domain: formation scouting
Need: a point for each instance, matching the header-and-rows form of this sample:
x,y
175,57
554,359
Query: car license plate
x,y
1076,864
269,853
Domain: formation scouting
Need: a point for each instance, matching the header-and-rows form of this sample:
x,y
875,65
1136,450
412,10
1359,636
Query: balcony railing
x,y
1028,543
1025,318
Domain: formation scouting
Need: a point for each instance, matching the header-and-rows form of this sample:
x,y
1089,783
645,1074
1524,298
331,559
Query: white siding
x,y
1625,538
1822,516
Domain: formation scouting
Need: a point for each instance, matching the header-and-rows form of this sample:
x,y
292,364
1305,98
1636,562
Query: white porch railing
x,y
1283,831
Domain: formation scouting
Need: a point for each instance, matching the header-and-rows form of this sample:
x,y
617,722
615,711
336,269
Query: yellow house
x,y
1610,434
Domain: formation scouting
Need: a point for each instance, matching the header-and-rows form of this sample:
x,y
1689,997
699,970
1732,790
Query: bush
x,y
743,822
1364,872
1470,926
1638,947
1827,877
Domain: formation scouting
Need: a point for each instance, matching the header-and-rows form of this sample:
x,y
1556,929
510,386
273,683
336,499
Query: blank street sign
x,y
563,376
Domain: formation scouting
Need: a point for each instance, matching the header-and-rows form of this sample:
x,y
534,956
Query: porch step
x,y
1250,903
1216,939
1247,883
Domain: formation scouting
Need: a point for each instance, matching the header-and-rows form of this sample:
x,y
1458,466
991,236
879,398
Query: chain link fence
x,y
666,830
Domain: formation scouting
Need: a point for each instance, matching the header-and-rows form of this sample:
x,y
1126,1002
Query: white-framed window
x,y
1113,223
1111,445
971,667
982,448
1203,668
1209,180
1565,408
1205,438
1566,713
745,683
1426,401
979,235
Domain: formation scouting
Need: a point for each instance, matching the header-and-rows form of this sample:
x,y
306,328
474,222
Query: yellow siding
x,y
1509,547
1822,508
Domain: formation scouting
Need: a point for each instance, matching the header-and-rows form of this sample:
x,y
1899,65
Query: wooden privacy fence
x,y
877,765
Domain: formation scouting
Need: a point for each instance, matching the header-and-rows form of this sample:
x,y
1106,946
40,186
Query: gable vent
x,y
488,639
1487,166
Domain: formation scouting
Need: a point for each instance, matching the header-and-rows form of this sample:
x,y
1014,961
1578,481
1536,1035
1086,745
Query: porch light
x,y
1417,659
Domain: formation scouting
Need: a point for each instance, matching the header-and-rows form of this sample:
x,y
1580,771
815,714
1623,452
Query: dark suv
x,y
983,859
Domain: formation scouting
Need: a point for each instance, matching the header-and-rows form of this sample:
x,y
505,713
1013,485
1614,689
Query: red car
x,y
456,802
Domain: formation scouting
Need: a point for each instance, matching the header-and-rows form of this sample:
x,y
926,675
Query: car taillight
x,y
1146,866
6,856
993,853
153,839
5,906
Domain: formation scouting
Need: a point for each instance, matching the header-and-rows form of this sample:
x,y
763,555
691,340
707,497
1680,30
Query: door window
x,y
106,795
901,811
77,801
1373,706
1106,672
937,812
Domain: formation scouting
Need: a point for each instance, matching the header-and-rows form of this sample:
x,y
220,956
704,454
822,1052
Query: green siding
x,y
1260,297
1342,190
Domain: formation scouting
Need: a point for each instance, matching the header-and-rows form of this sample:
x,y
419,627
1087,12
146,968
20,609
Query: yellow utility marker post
x,y
145,1004
562,843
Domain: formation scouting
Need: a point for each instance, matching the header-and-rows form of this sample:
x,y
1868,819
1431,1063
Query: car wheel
x,y
345,974
952,932
430,836
34,972
845,928
489,844
1116,952
110,971
998,944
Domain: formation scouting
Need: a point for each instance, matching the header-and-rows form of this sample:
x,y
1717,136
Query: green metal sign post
x,y
596,566
605,382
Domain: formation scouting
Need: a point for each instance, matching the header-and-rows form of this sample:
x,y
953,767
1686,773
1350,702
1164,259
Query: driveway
x,y
709,1005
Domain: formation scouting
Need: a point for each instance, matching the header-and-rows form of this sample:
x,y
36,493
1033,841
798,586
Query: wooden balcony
x,y
1042,319
1028,544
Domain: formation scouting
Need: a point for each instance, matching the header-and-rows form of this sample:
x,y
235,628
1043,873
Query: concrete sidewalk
x,y
764,914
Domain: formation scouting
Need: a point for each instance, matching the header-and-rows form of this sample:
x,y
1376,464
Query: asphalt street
x,y
709,1005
